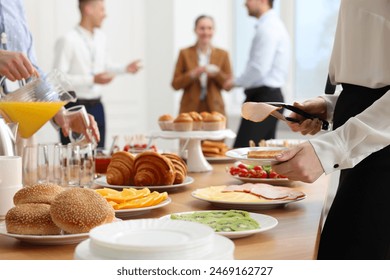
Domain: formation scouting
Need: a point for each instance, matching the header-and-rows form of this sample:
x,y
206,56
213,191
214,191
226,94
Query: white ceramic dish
x,y
61,239
219,159
268,204
152,239
223,250
266,223
102,181
241,154
128,213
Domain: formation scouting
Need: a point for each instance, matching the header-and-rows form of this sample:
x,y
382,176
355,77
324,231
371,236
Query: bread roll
x,y
38,193
31,218
78,210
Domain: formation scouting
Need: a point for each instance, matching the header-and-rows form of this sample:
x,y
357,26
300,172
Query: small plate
x,y
242,155
61,239
221,159
128,213
270,181
102,181
266,223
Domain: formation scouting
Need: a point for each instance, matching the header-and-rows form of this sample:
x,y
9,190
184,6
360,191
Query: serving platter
x,y
102,181
266,223
237,200
241,154
129,213
60,239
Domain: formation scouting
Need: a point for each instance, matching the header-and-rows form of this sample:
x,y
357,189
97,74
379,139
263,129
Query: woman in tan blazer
x,y
201,71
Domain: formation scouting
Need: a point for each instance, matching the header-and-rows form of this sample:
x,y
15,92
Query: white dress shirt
x,y
81,54
269,54
360,56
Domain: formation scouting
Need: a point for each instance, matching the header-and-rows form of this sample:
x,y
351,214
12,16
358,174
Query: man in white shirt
x,y
266,70
81,54
356,226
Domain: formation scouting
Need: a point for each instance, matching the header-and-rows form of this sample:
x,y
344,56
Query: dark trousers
x,y
96,109
357,225
263,130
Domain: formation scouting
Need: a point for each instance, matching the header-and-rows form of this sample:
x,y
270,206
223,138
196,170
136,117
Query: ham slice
x,y
266,191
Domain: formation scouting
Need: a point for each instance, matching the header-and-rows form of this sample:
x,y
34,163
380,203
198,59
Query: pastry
x,y
120,171
166,122
153,169
180,167
31,218
198,120
264,154
78,210
183,122
223,119
212,122
214,148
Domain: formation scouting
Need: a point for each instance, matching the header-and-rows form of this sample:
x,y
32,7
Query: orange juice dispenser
x,y
35,102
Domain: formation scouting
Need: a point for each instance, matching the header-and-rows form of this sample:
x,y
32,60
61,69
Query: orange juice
x,y
31,116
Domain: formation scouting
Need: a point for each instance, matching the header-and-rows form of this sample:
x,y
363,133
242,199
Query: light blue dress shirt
x,y
13,23
269,55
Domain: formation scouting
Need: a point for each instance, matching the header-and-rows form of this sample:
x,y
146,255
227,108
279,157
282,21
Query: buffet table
x,y
295,237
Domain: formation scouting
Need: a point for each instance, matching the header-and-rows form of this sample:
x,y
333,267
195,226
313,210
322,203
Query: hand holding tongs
x,y
257,112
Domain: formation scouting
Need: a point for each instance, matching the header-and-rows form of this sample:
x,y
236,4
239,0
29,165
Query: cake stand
x,y
196,161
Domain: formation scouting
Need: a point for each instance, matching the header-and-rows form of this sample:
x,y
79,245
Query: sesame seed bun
x,y
38,193
78,210
31,218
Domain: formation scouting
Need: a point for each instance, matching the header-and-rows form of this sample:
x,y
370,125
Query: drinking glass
x,y
102,160
41,165
77,119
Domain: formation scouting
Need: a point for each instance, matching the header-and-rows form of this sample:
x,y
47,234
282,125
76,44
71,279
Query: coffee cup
x,y
10,181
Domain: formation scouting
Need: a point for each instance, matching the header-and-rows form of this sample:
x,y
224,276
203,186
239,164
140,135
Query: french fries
x,y
130,198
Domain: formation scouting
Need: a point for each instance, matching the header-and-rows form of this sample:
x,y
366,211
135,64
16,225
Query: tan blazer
x,y
187,61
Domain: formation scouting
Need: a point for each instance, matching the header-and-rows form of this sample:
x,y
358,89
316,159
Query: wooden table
x,y
295,237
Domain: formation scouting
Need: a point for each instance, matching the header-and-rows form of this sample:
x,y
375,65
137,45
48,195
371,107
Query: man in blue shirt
x,y
266,70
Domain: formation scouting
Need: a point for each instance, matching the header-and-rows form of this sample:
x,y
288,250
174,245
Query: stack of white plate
x,y
154,239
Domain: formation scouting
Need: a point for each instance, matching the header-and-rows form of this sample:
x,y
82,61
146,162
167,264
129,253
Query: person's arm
x,y
343,148
225,72
182,76
15,66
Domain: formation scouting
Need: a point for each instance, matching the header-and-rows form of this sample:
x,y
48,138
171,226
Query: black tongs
x,y
325,123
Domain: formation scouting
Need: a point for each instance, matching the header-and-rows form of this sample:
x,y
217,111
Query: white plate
x,y
266,223
219,159
102,181
223,250
242,155
152,239
61,239
270,181
269,204
127,213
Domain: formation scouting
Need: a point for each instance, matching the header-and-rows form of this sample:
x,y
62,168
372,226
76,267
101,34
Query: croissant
x,y
120,171
153,169
180,167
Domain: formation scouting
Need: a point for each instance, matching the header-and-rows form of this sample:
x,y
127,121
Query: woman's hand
x,y
316,106
299,163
